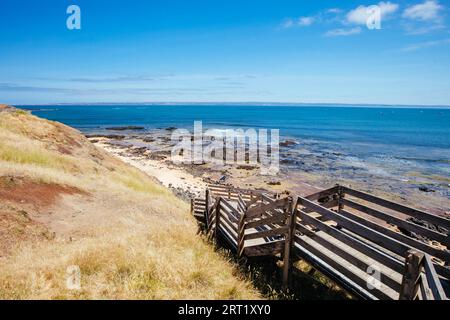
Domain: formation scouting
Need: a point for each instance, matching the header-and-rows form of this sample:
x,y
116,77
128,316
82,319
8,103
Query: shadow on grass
x,y
265,273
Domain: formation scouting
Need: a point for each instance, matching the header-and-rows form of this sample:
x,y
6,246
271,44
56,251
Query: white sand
x,y
169,176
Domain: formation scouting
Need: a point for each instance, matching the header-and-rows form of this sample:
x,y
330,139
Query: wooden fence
x,y
366,244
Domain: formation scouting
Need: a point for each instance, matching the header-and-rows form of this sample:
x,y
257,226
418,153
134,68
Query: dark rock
x,y
274,183
171,128
125,128
159,155
148,139
108,136
138,151
288,143
246,167
165,139
425,189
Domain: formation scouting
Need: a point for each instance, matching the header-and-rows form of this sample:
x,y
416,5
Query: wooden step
x,y
345,267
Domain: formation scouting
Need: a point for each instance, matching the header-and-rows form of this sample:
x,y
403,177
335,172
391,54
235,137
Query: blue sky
x,y
225,51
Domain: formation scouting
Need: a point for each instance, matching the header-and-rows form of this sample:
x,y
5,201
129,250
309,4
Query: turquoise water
x,y
413,138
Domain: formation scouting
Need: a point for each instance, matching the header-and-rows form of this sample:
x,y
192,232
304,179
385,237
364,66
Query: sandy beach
x,y
151,154
184,183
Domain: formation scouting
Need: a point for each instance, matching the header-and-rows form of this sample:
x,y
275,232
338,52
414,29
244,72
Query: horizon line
x,y
242,103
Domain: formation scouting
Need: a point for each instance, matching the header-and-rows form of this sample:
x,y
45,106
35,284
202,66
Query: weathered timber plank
x,y
411,275
388,276
226,236
232,224
442,271
233,197
431,234
328,205
323,193
221,187
370,251
267,198
266,249
333,274
241,204
399,207
289,239
425,291
433,280
266,233
355,274
413,243
373,235
280,217
231,229
260,209
232,214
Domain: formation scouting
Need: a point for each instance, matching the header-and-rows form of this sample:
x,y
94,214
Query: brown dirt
x,y
25,191
16,226
22,202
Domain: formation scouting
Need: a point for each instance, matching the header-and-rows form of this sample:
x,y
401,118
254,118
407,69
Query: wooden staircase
x,y
346,234
198,208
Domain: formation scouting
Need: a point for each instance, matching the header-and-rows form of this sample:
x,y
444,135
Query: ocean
x,y
369,140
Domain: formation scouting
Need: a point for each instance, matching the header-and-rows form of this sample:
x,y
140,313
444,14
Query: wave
x,y
446,161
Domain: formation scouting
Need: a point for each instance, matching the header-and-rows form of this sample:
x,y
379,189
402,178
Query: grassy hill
x,y
64,202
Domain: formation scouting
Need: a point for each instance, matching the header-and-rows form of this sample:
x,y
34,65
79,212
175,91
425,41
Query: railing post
x,y
292,211
241,235
216,233
207,209
341,195
207,201
411,277
241,227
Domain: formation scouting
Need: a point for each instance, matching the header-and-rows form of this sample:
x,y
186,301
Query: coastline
x,y
180,181
152,155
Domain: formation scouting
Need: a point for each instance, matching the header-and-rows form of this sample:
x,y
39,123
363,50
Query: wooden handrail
x,y
433,279
398,207
420,280
431,234
320,225
260,209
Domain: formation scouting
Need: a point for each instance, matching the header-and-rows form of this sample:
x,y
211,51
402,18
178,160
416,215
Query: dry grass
x,y
138,241
134,259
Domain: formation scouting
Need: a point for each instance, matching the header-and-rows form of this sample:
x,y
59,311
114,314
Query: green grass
x,y
136,181
20,112
31,155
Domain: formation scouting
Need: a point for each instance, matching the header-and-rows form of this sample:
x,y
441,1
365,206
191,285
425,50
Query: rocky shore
x,y
303,170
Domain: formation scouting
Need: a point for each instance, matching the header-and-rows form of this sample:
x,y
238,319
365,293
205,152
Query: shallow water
x,y
350,141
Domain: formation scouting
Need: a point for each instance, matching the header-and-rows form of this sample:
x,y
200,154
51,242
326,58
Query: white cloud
x,y
362,13
300,22
334,10
287,23
427,11
413,29
343,32
305,21
425,45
